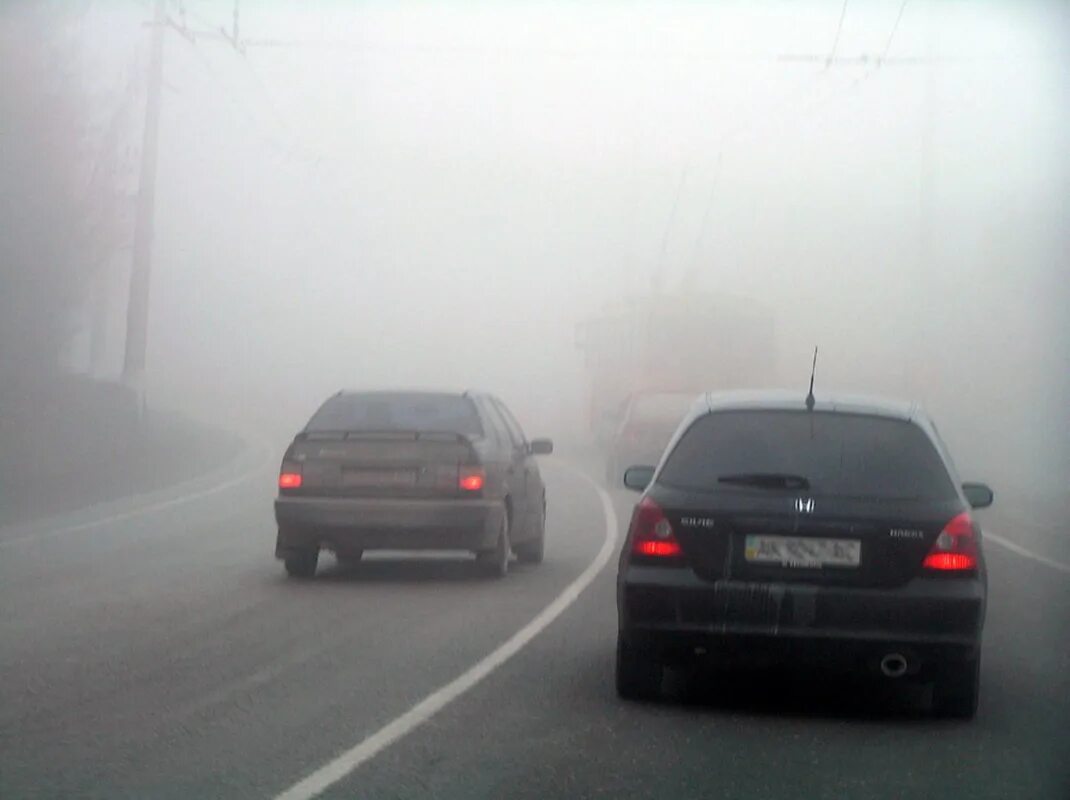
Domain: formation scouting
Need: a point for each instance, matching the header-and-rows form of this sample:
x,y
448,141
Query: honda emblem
x,y
804,505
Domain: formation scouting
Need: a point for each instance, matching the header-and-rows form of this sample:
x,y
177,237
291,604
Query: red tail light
x,y
653,548
471,479
289,480
651,533
955,549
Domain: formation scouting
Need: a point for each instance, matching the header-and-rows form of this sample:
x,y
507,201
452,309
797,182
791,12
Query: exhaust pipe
x,y
894,665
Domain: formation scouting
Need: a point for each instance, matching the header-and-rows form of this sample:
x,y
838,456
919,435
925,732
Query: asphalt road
x,y
153,648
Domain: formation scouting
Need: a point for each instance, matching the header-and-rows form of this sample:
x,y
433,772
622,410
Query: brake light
x,y
955,549
289,480
651,532
950,561
471,479
652,548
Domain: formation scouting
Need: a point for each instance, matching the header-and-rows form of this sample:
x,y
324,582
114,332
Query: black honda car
x,y
411,471
776,532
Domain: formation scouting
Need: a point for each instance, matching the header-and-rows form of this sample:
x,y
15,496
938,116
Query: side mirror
x,y
541,447
978,495
638,478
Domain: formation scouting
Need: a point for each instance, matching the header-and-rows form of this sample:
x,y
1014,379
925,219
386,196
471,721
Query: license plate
x,y
378,479
802,551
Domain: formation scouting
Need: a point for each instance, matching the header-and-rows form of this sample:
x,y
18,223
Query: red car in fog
x,y
645,425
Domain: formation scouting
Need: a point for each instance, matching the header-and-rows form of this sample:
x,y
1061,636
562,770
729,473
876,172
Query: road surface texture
x,y
155,649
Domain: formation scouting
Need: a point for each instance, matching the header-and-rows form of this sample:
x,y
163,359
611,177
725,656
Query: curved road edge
x,y
252,459
346,762
1026,553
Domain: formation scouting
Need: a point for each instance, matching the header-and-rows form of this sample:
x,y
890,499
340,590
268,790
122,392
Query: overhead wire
x,y
729,139
290,151
895,28
272,107
836,39
798,111
280,148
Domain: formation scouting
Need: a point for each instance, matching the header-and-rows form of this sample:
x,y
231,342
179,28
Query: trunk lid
x,y
755,536
398,464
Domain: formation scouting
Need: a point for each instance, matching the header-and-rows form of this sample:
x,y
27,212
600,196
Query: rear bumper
x,y
343,524
673,609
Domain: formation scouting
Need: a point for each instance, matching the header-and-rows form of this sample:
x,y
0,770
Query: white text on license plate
x,y
803,551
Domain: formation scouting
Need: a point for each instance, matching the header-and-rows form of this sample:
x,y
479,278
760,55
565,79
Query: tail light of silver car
x,y
290,476
471,479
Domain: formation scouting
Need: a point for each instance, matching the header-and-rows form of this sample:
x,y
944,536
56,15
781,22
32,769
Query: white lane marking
x,y
42,535
335,770
1017,548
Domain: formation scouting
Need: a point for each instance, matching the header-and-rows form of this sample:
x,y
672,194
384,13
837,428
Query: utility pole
x,y
137,312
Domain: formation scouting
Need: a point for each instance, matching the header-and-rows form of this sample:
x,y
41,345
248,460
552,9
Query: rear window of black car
x,y
850,455
397,412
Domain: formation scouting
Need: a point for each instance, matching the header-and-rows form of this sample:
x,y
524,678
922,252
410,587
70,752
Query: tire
x,y
958,689
302,564
495,563
639,672
532,552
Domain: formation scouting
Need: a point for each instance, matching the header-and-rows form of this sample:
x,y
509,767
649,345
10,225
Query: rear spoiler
x,y
342,435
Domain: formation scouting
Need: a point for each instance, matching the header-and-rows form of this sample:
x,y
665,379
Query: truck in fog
x,y
672,342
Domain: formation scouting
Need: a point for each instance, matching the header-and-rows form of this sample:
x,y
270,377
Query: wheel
x,y
495,563
302,564
639,672
532,552
957,689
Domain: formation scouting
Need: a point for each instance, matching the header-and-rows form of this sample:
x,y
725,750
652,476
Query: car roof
x,y
663,393
783,400
403,393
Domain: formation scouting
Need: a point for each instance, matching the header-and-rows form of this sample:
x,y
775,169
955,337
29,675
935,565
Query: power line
x,y
714,185
895,27
799,110
215,32
289,152
273,109
211,30
839,30
659,271
732,137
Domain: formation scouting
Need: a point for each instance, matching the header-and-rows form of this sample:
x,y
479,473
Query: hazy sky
x,y
427,194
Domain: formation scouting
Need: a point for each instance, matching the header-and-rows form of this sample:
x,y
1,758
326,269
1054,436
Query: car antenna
x,y
810,395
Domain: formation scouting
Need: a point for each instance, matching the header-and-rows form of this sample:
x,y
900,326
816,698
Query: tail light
x,y
955,549
651,533
290,476
471,479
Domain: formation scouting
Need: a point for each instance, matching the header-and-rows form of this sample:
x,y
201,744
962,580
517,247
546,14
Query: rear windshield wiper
x,y
766,480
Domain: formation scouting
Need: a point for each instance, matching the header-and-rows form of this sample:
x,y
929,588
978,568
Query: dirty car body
x,y
839,536
409,471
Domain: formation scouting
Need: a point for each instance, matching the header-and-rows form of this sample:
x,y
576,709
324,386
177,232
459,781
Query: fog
x,y
383,195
